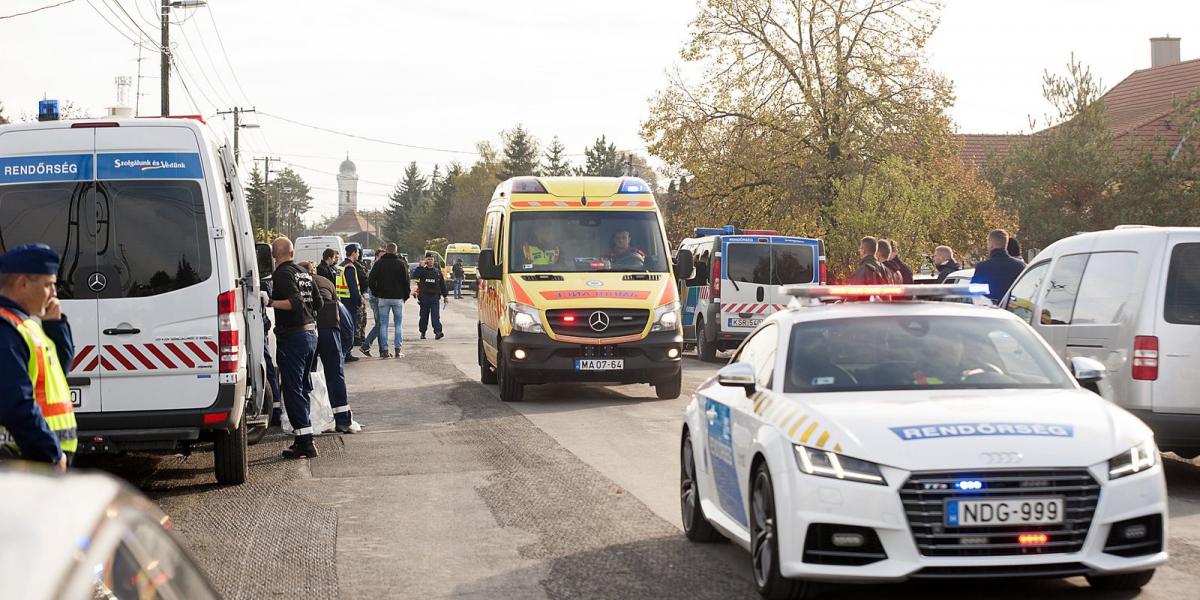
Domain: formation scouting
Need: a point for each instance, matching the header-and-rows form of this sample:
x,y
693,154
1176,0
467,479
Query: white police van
x,y
159,279
736,282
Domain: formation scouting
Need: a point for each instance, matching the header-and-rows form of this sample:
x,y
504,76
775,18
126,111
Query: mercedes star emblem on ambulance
x,y
598,321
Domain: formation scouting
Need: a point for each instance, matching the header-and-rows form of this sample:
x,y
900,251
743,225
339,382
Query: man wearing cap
x,y
350,294
37,421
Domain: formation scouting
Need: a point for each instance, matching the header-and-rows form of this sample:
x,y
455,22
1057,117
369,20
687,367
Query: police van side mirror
x,y
684,264
266,264
1087,370
488,269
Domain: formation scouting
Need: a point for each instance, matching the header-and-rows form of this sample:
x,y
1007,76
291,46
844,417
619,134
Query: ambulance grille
x,y
925,493
621,322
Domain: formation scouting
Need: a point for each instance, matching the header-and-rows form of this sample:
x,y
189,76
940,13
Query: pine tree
x,y
520,154
256,201
290,199
403,201
603,160
3,119
554,162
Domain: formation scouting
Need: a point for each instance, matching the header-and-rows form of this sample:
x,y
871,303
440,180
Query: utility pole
x,y
237,126
165,59
267,193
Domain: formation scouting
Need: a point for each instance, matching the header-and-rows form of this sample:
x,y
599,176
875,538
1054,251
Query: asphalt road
x,y
450,493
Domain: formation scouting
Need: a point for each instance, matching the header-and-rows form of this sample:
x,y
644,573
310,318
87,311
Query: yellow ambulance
x,y
469,253
576,285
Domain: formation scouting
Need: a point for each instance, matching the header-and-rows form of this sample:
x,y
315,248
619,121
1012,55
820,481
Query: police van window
x,y
793,263
1183,286
750,263
1100,301
586,241
61,215
157,237
1024,291
1062,289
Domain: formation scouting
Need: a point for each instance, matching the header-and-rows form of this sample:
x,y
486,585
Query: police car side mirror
x,y
737,375
685,263
488,269
265,263
1087,370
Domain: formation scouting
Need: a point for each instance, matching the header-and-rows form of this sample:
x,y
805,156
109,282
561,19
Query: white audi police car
x,y
886,440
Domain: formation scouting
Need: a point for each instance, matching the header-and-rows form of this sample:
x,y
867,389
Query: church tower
x,y
347,187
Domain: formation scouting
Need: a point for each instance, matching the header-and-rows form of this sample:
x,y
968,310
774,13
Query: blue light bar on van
x,y
633,185
726,230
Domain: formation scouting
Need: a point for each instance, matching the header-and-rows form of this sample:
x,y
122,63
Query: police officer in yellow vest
x,y
37,421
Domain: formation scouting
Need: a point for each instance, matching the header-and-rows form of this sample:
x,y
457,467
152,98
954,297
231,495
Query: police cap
x,y
31,259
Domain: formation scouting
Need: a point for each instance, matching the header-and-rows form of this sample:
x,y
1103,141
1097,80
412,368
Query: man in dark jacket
x,y
360,275
1000,270
431,289
326,268
351,298
329,350
943,258
296,302
389,283
895,263
870,271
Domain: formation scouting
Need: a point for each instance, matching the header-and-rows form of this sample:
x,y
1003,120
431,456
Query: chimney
x,y
1164,51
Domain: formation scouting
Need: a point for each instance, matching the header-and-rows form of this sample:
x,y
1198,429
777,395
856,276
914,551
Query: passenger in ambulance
x,y
542,249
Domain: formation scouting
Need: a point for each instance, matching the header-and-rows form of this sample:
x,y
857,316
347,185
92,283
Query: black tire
x,y
511,390
1123,582
487,375
229,456
705,350
764,543
695,525
668,389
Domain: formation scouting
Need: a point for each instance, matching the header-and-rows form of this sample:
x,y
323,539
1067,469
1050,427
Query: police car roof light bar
x,y
759,232
975,291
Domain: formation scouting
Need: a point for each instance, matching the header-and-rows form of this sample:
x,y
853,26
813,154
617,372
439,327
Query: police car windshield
x,y
918,353
469,259
586,241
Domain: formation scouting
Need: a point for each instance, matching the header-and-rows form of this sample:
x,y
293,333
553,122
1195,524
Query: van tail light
x,y
824,271
1145,357
228,335
714,281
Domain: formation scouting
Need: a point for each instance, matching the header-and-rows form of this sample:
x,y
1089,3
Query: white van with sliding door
x,y
1130,298
159,279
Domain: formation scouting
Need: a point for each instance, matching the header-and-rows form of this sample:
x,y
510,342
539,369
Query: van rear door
x,y
794,261
1178,329
158,313
746,277
47,196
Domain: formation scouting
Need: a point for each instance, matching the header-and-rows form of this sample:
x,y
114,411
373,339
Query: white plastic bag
x,y
320,414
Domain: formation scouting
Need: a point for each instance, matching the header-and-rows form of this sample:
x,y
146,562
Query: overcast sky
x,y
446,75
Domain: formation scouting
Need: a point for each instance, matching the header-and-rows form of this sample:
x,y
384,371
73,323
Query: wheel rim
x,y
687,484
762,507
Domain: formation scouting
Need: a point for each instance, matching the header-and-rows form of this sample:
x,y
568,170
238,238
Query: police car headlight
x,y
525,318
1134,460
824,463
666,317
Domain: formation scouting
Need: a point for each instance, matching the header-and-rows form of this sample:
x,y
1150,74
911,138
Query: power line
x,y
121,32
136,25
366,138
30,12
308,168
183,82
227,98
221,42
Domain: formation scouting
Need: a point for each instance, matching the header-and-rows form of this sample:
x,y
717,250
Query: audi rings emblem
x,y
97,282
1001,458
598,321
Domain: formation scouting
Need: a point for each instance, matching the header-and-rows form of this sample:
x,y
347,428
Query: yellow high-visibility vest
x,y
343,287
50,389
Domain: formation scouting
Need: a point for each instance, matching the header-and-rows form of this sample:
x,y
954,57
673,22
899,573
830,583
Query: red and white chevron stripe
x,y
157,356
756,309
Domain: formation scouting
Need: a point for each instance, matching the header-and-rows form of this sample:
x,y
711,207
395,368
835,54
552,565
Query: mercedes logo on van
x,y
595,283
97,282
598,321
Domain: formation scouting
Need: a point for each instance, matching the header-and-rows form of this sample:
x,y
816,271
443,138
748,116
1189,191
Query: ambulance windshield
x,y
586,241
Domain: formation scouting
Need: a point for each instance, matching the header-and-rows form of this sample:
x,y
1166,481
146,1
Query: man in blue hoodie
x,y
1000,270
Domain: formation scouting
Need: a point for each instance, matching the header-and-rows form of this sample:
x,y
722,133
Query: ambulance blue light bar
x,y
633,185
836,292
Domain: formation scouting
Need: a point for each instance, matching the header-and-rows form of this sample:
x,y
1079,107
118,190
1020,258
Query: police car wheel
x,y
1124,581
764,542
705,350
511,390
695,524
669,389
487,375
229,455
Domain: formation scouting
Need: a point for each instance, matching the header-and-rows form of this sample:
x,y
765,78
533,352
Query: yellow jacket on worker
x,y
42,377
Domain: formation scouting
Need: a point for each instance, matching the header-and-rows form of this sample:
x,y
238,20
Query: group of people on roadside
x,y
880,263
390,285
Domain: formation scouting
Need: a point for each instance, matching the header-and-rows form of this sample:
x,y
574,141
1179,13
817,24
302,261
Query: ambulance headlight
x,y
1134,460
824,463
525,318
666,317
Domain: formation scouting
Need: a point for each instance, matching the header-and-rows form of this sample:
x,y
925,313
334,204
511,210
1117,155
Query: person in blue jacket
x,y
1000,270
27,289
